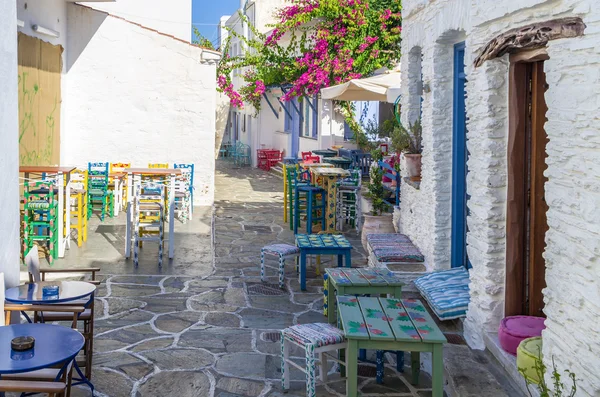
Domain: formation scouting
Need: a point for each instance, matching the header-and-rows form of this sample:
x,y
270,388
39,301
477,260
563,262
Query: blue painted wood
x,y
459,162
296,121
32,293
276,113
54,344
322,244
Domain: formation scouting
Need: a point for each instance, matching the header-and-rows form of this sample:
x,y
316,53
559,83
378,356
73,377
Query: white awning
x,y
372,88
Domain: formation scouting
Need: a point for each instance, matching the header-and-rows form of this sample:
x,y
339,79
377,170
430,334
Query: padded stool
x,y
315,339
513,330
283,251
529,357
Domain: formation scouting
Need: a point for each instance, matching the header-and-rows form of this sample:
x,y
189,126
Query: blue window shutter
x,y
315,115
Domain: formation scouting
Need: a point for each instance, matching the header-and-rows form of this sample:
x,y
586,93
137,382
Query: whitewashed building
x,y
304,125
511,165
128,85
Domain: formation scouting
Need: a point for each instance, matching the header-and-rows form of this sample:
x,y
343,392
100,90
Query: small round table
x,y
32,293
53,345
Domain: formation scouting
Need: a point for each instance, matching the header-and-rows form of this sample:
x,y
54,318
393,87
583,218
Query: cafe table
x,y
390,324
357,281
329,177
325,153
63,185
170,173
341,162
54,345
322,244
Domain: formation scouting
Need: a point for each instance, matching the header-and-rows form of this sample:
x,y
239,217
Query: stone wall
x,y
139,96
573,187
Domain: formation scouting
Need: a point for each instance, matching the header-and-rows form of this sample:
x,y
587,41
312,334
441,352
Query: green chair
x,y
99,197
348,200
40,218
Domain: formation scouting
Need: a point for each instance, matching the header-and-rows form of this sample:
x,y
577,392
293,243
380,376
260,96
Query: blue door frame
x,y
296,120
459,163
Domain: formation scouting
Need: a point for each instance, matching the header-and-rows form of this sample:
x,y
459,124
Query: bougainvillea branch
x,y
315,44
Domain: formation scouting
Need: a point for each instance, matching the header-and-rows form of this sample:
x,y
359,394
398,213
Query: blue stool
x,y
309,200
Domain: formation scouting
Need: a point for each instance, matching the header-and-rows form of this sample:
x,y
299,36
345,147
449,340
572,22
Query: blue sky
x,y
206,15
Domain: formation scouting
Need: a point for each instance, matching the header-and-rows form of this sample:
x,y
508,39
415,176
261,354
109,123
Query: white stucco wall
x,y
141,97
173,17
9,151
572,191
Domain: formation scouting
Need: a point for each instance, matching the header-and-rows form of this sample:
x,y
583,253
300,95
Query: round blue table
x,y
53,345
68,291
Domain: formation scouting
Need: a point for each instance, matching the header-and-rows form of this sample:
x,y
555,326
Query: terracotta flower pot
x,y
376,225
413,166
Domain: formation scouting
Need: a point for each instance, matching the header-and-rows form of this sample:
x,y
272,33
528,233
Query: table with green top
x,y
391,324
357,281
342,162
325,152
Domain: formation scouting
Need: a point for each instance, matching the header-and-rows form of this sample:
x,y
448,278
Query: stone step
x,y
277,170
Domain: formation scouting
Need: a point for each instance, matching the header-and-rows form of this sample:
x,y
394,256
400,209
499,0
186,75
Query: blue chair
x,y
307,198
390,172
190,168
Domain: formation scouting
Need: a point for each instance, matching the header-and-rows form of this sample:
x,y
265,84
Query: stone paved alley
x,y
205,325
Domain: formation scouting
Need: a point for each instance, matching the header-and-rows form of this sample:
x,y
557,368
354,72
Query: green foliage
x,y
375,187
407,141
559,389
201,41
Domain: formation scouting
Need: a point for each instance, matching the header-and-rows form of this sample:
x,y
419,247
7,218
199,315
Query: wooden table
x,y
358,281
329,178
322,244
325,153
391,324
308,166
138,172
63,184
342,162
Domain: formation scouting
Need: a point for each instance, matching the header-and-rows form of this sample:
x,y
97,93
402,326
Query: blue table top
x,y
304,241
53,345
32,293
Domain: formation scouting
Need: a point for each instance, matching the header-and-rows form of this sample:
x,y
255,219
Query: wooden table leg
x,y
349,259
415,363
437,371
330,302
352,369
303,271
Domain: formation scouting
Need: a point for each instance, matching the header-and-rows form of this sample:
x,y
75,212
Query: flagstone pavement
x,y
204,324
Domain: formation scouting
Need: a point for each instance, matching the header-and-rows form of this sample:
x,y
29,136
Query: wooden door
x,y
526,211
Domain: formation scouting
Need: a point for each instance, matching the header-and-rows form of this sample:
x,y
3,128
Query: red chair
x,y
263,160
274,157
312,160
305,155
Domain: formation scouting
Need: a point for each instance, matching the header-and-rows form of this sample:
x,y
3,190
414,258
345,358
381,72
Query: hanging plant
x,y
314,44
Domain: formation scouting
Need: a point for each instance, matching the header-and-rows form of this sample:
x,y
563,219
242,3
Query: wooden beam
x,y
535,35
270,105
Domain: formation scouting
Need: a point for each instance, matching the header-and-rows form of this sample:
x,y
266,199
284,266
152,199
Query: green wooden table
x,y
325,153
357,281
391,324
342,162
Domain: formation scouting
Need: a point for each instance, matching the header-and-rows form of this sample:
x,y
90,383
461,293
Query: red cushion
x,y
514,329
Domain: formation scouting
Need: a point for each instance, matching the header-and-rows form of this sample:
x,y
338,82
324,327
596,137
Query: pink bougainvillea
x,y
326,42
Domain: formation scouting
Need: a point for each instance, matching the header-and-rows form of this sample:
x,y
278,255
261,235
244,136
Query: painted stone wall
x,y
9,151
138,96
572,190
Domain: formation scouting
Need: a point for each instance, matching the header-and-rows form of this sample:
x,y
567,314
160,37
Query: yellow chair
x,y
78,205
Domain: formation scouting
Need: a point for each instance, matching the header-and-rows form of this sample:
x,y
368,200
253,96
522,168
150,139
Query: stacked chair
x,y
348,201
311,200
183,196
100,198
149,216
241,156
40,217
118,167
78,205
188,167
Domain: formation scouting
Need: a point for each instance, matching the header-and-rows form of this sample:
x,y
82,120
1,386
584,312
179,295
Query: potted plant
x,y
379,221
409,142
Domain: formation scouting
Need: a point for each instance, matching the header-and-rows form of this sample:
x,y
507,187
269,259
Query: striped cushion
x,y
447,292
38,205
281,249
317,334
